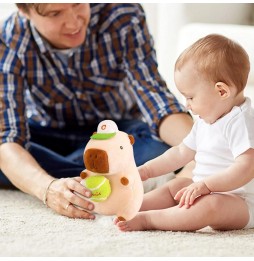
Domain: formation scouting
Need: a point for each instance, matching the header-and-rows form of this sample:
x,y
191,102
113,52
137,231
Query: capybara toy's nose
x,y
96,160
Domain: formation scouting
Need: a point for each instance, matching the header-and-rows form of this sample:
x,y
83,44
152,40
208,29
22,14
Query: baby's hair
x,y
219,59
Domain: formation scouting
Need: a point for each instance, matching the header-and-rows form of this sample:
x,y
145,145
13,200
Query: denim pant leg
x,y
55,164
4,181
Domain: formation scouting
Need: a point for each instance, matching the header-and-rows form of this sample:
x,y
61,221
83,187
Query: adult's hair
x,y
26,7
219,59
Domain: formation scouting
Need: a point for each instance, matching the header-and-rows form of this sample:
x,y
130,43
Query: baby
x,y
212,74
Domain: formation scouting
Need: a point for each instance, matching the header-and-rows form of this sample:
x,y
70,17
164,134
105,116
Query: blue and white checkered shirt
x,y
113,75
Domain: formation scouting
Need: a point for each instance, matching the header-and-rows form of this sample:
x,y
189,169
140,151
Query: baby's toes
x,y
116,220
123,226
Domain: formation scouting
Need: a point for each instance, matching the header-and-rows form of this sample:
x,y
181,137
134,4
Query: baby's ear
x,y
222,89
132,139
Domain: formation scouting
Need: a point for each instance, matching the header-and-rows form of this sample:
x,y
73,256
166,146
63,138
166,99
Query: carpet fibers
x,y
28,228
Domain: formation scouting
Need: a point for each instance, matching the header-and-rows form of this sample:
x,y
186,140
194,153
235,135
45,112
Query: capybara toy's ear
x,y
132,139
83,174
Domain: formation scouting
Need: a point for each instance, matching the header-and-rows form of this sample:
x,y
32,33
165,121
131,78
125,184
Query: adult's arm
x,y
175,127
166,116
15,161
26,174
172,130
22,170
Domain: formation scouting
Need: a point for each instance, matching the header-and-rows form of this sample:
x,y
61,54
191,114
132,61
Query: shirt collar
x,y
235,111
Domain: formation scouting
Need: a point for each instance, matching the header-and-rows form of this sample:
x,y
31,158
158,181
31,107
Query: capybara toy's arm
x,y
124,181
83,174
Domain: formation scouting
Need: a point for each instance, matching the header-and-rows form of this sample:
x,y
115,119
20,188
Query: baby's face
x,y
202,98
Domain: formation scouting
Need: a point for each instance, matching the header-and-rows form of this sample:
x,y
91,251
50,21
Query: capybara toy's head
x,y
109,150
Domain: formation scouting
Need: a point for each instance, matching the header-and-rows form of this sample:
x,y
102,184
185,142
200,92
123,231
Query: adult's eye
x,y
53,14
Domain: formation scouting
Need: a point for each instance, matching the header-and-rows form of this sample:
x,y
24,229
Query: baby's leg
x,y
220,211
163,197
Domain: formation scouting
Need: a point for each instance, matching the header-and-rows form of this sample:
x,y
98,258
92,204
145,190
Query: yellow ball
x,y
99,186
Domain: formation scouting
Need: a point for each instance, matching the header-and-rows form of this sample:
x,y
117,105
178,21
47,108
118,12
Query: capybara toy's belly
x,y
124,201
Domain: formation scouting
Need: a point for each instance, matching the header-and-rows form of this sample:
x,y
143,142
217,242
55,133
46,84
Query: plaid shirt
x,y
112,75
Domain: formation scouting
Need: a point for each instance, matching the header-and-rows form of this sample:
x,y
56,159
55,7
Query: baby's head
x,y
212,70
219,59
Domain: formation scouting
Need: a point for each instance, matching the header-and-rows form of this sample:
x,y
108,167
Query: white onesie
x,y
217,146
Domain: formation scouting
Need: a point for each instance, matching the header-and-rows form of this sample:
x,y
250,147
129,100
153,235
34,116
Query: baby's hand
x,y
143,172
187,195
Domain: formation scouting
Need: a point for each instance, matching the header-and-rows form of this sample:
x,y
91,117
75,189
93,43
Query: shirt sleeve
x,y
13,122
240,134
152,95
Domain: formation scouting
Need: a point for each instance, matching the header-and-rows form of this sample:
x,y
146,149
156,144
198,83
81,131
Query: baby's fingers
x,y
192,198
188,198
179,194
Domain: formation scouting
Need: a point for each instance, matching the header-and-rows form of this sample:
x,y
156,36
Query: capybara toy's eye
x,y
121,147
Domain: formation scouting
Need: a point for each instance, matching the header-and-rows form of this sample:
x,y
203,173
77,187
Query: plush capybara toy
x,y
111,173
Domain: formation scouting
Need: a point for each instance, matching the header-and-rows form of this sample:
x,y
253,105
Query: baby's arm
x,y
235,176
173,159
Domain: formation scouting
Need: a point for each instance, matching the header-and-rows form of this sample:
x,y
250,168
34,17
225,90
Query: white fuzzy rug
x,y
28,228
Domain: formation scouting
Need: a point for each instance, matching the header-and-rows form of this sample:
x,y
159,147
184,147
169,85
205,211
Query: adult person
x,y
63,69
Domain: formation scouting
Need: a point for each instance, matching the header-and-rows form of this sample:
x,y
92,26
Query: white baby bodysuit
x,y
218,144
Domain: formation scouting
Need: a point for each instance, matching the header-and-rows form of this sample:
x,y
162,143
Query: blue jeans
x,y
60,152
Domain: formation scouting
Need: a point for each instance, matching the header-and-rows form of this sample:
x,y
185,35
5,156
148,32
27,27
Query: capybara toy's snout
x,y
96,160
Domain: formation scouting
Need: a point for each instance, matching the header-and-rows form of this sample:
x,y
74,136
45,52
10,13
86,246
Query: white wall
x,y
6,10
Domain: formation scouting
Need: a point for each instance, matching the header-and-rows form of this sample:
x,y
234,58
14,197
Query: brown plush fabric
x,y
96,160
132,139
124,181
83,174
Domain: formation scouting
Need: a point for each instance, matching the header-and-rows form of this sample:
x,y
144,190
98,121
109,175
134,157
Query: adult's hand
x,y
61,198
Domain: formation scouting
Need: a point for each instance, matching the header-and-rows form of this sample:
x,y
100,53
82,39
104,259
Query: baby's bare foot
x,y
115,221
137,223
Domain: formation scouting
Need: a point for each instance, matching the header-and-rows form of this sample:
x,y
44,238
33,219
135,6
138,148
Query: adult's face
x,y
62,25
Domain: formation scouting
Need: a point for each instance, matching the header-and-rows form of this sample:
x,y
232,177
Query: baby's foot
x,y
137,223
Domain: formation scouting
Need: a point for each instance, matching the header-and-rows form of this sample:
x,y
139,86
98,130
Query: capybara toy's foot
x,y
121,218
